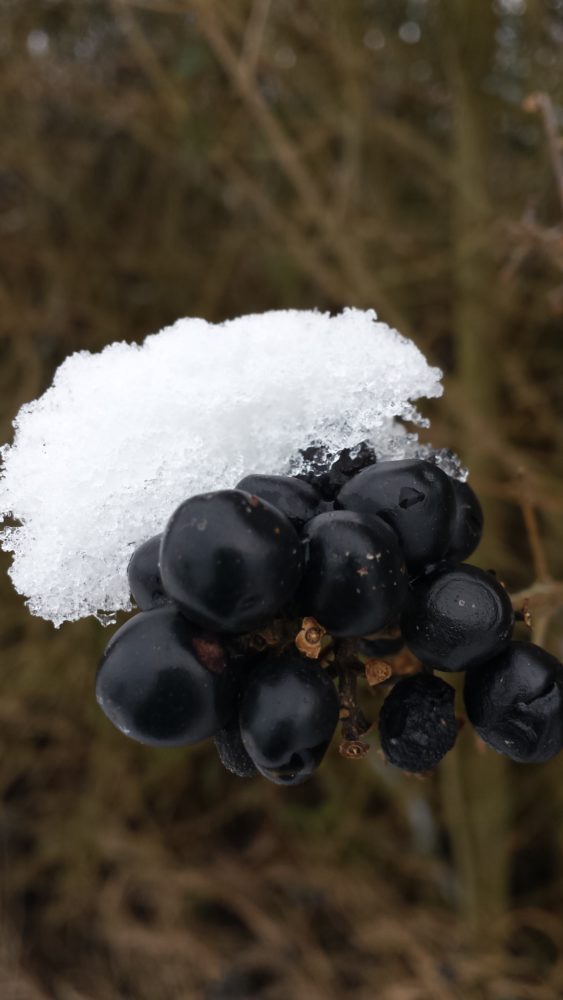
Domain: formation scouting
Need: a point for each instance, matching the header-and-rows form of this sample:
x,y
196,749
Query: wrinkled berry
x,y
515,702
417,723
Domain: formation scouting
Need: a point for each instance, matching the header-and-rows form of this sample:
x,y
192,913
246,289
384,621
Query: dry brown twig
x,y
254,36
541,103
314,205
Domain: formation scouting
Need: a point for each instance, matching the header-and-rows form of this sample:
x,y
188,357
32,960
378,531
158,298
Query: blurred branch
x,y
539,558
540,597
254,36
363,285
544,490
280,223
539,603
542,103
481,786
174,101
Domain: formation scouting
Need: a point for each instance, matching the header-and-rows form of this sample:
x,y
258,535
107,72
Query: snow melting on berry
x,y
101,460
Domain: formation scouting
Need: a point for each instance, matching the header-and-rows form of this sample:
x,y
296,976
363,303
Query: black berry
x,y
417,723
456,618
230,560
467,523
515,702
162,683
143,572
299,501
228,741
231,751
288,716
414,497
355,577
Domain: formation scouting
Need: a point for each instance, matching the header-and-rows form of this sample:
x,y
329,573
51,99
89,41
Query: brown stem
x,y
543,597
541,570
542,102
354,723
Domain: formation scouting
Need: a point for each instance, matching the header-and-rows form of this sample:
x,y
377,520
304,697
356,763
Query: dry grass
x,y
163,158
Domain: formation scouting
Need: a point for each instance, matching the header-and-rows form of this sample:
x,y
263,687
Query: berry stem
x,y
354,722
541,569
537,605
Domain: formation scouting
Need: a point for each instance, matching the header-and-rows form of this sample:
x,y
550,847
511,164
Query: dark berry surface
x,y
467,523
417,723
414,497
143,573
456,618
515,703
230,560
231,751
381,647
328,475
288,715
298,500
162,683
355,577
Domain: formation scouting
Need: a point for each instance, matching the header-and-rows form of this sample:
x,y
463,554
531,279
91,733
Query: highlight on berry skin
x,y
267,611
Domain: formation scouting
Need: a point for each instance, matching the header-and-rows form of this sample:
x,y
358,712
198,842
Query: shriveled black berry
x,y
355,580
288,716
299,501
414,497
231,751
417,723
143,573
515,702
456,618
328,475
230,560
163,683
467,523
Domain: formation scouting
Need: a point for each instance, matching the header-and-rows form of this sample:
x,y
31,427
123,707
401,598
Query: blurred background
x,y
163,158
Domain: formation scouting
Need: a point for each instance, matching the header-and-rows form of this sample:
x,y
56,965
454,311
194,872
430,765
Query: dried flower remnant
x,y
309,638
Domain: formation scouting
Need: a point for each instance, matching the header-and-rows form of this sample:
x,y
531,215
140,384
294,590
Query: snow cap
x,y
101,460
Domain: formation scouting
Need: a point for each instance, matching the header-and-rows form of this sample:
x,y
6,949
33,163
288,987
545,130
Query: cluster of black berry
x,y
255,600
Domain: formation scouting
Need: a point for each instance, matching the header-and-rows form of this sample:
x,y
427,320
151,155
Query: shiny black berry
x,y
417,723
515,702
414,497
355,577
467,523
299,501
162,683
288,716
143,573
230,560
456,618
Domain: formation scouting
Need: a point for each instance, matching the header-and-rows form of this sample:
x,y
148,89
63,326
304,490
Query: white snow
x,y
101,460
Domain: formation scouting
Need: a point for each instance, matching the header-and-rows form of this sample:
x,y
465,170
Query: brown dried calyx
x,y
377,672
271,636
309,640
353,749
